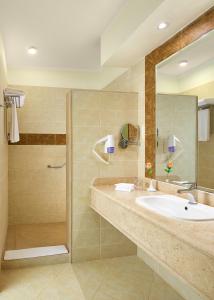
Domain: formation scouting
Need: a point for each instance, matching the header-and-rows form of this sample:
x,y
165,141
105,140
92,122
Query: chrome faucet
x,y
192,187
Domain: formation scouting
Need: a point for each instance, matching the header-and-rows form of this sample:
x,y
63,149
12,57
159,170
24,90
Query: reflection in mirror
x,y
176,136
185,114
129,135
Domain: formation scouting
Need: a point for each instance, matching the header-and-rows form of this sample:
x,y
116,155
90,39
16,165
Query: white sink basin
x,y
176,207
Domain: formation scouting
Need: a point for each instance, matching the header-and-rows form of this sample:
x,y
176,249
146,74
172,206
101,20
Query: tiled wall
x,y
176,114
44,110
3,158
133,81
96,114
37,194
205,149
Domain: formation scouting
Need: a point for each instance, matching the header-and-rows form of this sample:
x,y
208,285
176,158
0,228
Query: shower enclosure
x,y
37,172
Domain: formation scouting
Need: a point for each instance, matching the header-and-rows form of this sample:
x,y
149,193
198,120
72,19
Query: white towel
x,y
14,127
204,125
124,187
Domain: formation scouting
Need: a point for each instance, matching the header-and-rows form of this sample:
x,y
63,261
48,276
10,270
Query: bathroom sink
x,y
176,207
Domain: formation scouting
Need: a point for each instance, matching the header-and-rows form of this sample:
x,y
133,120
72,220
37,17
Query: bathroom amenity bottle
x,y
151,187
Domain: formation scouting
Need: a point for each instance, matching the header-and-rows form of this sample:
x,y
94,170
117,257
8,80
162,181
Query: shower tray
x,y
35,252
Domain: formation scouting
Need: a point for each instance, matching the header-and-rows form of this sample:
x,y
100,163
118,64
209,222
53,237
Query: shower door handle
x,y
56,167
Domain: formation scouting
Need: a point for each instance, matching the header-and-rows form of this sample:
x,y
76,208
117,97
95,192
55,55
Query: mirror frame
x,y
180,40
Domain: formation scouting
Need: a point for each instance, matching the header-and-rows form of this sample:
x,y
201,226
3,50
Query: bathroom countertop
x,y
197,234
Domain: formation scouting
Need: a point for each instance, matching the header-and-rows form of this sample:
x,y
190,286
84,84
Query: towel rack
x,y
9,100
11,97
56,167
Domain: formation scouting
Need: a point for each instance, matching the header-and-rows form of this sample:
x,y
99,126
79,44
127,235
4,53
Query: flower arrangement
x,y
169,168
149,169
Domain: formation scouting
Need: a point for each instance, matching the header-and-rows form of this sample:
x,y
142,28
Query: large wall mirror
x,y
185,113
180,106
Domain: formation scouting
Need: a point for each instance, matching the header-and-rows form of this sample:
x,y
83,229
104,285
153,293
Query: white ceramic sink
x,y
176,207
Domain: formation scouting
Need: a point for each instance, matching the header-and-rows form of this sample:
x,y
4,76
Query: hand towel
x,y
204,125
124,187
14,127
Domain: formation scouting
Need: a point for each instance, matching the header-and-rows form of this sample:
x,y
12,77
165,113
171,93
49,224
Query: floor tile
x,y
124,278
162,291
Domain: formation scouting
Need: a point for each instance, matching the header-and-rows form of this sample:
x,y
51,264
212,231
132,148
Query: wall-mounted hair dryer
x,y
174,147
109,147
172,140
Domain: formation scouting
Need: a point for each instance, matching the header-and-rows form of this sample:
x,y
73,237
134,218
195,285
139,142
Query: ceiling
x,y
197,54
145,36
66,32
83,41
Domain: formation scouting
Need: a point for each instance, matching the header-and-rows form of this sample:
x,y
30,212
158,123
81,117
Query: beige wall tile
x,y
111,236
35,235
85,254
86,238
86,117
86,100
82,170
134,81
117,250
44,110
85,136
85,221
96,114
11,238
38,194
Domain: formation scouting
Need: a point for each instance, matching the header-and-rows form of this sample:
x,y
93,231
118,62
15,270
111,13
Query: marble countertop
x,y
197,234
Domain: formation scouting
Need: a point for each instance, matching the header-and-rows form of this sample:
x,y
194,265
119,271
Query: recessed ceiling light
x,y
163,25
32,50
183,63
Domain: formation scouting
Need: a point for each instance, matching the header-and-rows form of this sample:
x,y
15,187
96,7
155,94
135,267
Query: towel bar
x,y
56,167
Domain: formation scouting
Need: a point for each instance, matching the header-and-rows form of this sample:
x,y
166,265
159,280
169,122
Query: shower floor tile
x,y
35,235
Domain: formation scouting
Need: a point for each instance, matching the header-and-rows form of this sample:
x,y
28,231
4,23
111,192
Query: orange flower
x,y
148,165
170,164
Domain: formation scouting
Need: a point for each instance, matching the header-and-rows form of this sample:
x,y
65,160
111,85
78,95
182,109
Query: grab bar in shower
x,y
56,167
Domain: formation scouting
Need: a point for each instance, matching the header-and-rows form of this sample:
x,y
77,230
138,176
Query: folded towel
x,y
124,187
14,127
